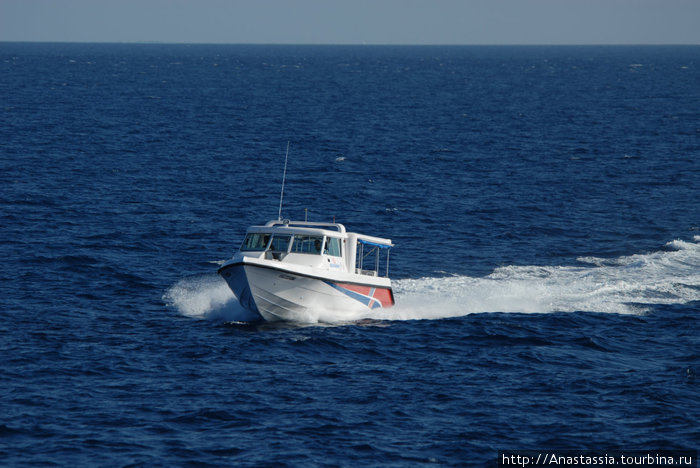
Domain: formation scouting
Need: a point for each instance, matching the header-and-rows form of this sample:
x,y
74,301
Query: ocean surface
x,y
544,203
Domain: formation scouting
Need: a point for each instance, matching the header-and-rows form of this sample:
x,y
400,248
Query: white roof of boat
x,y
306,224
309,227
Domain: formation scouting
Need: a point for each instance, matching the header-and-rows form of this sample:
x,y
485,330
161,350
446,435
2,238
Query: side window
x,y
307,244
255,242
333,247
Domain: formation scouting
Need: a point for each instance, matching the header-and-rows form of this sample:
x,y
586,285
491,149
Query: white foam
x,y
206,297
624,285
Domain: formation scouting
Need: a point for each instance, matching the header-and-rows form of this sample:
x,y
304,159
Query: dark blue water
x,y
544,202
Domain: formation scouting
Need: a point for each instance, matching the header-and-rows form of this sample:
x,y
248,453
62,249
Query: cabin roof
x,y
310,228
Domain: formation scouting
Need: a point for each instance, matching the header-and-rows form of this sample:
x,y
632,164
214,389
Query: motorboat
x,y
296,270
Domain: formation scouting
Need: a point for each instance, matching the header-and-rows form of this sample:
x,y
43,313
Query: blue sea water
x,y
544,203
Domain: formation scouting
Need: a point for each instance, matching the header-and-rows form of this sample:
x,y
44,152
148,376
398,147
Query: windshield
x,y
259,241
280,243
255,242
307,244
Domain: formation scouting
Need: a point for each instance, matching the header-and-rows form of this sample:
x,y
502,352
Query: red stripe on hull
x,y
384,295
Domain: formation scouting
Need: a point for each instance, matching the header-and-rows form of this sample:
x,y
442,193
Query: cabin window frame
x,y
368,251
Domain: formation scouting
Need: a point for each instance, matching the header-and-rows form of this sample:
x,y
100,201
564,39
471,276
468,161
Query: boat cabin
x,y
320,245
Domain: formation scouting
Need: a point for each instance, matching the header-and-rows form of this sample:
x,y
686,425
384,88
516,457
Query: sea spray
x,y
623,285
206,296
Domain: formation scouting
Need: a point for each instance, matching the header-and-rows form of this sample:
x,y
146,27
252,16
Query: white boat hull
x,y
277,293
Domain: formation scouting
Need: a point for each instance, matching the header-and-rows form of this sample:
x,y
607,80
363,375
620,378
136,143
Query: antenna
x,y
284,177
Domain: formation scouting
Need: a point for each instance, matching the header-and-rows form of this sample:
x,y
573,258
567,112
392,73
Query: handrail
x,y
308,224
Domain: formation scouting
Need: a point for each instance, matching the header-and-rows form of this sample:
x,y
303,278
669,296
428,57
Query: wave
x,y
623,285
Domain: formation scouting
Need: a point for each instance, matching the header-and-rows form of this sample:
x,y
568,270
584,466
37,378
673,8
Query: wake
x,y
624,285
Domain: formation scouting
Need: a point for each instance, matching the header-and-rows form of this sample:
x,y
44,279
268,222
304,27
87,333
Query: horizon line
x,y
358,44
